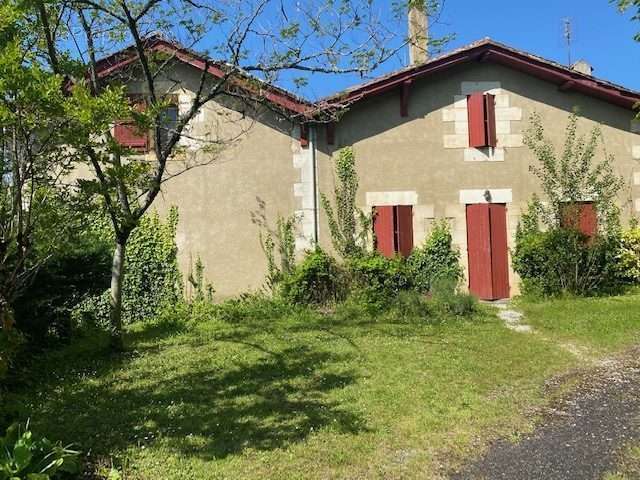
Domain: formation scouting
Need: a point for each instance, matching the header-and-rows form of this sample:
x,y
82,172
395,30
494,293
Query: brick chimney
x,y
418,32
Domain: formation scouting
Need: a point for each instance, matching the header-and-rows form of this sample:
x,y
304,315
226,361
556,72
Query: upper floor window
x,y
127,134
481,108
168,123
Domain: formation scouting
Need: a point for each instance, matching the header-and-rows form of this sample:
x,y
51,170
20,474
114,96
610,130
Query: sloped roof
x,y
488,50
485,50
120,60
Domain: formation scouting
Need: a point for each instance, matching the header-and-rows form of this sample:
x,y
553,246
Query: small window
x,y
581,216
168,123
127,134
393,230
481,110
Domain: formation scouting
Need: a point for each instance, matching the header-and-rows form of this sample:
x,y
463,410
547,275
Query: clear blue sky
x,y
601,35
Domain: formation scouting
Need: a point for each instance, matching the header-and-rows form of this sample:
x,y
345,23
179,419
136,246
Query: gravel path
x,y
580,437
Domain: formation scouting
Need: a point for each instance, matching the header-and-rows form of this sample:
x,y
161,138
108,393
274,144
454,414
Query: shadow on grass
x,y
269,399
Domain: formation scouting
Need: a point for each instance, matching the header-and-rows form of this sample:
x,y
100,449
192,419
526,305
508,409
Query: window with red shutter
x,y
581,216
393,229
126,133
481,111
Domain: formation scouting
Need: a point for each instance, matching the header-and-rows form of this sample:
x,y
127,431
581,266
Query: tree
x,y
36,121
634,5
574,174
253,42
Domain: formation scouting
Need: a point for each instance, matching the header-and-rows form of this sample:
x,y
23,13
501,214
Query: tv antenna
x,y
567,33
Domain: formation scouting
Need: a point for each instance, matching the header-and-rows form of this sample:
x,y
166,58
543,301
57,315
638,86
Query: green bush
x,y
628,260
10,344
566,261
377,280
23,456
436,258
316,280
43,311
445,295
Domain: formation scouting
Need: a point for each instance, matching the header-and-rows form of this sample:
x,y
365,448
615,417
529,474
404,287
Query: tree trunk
x,y
6,315
115,298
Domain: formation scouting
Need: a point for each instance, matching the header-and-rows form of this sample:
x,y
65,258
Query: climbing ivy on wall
x,y
152,278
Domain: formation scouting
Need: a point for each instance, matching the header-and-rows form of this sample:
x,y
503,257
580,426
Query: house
x,y
439,139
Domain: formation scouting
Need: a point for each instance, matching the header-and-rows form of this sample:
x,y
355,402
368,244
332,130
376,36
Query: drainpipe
x,y
316,192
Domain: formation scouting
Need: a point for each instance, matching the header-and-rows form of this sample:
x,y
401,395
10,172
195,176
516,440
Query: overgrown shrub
x,y
628,260
316,280
435,259
282,241
257,307
377,280
446,295
23,456
43,311
566,261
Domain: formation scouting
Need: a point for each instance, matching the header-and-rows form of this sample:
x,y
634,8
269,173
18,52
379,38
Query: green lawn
x,y
600,324
307,395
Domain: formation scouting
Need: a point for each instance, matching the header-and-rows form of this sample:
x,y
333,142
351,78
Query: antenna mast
x,y
567,33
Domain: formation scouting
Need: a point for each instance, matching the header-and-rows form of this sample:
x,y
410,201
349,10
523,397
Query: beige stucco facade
x,y
421,159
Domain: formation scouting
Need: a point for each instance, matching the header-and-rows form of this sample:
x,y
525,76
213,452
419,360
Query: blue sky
x,y
601,35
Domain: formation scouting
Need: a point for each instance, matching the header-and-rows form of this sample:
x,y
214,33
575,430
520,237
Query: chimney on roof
x,y
418,32
582,66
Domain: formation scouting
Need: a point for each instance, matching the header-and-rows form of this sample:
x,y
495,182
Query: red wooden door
x,y
499,251
404,231
487,250
383,230
479,248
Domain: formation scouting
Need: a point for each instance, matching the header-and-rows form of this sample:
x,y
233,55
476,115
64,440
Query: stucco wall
x,y
243,165
424,156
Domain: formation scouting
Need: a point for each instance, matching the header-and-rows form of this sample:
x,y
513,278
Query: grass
x,y
600,324
628,465
302,395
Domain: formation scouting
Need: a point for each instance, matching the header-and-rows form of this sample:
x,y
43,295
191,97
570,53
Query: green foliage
x,y
252,307
377,280
628,259
81,270
152,278
23,456
283,240
561,261
446,295
201,290
573,175
11,341
349,226
436,258
317,280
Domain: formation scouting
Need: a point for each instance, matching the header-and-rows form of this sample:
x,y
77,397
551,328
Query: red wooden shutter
x,y
490,114
588,223
383,230
404,229
476,116
304,135
127,135
499,251
479,251
581,216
